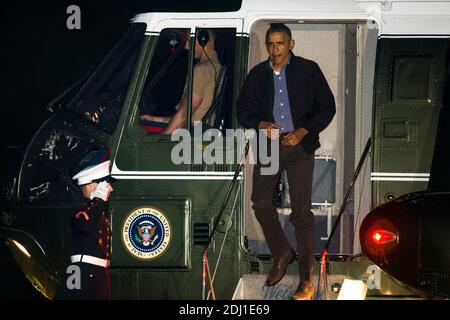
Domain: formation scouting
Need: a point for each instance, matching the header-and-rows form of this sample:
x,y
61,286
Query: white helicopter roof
x,y
396,17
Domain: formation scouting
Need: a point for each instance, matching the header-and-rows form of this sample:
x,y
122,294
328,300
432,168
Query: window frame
x,y
151,40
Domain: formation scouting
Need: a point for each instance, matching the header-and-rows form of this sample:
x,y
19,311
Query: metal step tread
x,y
253,287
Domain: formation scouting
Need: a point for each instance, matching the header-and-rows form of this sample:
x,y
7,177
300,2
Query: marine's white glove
x,y
102,191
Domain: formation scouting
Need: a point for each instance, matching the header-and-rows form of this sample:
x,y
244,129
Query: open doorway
x,y
345,53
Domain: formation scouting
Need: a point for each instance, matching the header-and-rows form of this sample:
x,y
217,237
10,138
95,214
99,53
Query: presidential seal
x,y
146,233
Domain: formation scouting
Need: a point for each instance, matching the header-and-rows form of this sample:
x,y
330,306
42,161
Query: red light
x,y
377,236
383,236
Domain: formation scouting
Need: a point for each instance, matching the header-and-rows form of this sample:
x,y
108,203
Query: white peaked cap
x,y
97,171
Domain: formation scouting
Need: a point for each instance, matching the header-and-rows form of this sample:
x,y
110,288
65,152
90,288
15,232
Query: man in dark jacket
x,y
289,98
87,278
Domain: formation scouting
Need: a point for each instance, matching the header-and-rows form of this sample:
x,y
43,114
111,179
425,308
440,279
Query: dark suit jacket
x,y
311,100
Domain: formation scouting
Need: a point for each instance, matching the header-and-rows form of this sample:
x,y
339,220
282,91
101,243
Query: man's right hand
x,y
271,130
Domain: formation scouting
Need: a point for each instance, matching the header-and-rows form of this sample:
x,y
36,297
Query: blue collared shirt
x,y
281,107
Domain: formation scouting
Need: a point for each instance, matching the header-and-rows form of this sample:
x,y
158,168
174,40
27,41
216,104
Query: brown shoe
x,y
305,291
279,267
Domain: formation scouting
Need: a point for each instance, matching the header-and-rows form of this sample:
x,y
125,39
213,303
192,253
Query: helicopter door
x,y
409,87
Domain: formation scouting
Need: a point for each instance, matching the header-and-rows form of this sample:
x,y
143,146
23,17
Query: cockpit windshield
x,y
100,100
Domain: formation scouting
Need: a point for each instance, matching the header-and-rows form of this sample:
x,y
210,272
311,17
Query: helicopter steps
x,y
252,287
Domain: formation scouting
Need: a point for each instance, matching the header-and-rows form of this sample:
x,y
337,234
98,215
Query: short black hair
x,y
279,27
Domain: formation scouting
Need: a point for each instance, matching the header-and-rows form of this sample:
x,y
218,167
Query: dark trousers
x,y
299,166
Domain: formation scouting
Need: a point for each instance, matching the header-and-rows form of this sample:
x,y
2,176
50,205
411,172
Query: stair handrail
x,y
322,270
219,216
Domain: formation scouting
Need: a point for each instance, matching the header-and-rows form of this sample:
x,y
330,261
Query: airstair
x,y
368,282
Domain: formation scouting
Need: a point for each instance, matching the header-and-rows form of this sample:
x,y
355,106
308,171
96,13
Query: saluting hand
x,y
271,130
102,191
294,137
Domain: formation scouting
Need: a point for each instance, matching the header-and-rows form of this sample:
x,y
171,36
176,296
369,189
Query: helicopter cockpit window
x,y
100,100
166,80
164,101
54,149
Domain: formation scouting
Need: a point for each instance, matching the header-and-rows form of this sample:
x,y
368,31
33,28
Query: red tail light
x,y
382,237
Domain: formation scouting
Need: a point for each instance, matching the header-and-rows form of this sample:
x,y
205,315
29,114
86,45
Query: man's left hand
x,y
294,137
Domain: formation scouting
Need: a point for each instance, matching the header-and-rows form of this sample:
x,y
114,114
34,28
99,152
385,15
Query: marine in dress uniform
x,y
91,235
